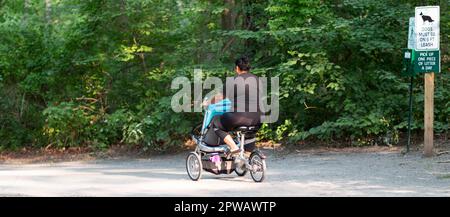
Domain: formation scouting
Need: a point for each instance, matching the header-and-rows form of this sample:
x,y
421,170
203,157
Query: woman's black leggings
x,y
231,120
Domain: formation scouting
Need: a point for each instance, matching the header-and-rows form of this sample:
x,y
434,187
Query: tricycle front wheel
x,y
194,166
240,171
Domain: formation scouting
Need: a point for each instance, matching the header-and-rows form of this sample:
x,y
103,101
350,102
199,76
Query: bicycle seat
x,y
247,129
208,148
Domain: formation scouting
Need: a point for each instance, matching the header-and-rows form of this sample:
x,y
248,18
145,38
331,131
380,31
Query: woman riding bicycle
x,y
243,92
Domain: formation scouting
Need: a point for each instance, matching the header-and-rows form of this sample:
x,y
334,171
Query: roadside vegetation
x,y
94,73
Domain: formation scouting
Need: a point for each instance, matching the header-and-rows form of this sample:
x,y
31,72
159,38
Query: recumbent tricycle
x,y
214,158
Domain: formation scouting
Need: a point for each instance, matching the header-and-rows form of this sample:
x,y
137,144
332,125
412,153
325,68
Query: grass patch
x,y
445,176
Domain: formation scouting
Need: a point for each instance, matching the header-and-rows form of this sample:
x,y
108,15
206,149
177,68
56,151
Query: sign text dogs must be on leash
x,y
427,28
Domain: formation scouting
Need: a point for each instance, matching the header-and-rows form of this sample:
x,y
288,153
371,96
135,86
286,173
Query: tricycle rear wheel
x,y
258,165
240,171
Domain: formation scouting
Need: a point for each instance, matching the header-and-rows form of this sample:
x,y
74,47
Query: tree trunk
x,y
247,22
26,9
26,5
48,11
229,15
123,20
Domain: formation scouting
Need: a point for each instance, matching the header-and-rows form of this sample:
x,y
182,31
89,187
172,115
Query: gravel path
x,y
330,174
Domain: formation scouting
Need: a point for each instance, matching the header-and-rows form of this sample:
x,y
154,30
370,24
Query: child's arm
x,y
218,97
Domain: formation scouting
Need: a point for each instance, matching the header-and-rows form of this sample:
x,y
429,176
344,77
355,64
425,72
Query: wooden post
x,y
428,114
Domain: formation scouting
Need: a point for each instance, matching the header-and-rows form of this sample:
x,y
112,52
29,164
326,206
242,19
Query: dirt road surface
x,y
294,174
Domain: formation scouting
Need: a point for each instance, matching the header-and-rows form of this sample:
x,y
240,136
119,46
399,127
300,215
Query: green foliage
x,y
99,72
352,88
66,124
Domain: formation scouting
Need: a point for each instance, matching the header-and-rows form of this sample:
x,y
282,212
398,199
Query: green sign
x,y
408,56
427,61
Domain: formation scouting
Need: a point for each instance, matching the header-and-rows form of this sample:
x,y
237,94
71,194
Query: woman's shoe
x,y
233,152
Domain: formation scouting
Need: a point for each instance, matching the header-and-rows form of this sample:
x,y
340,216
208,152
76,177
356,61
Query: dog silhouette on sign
x,y
426,18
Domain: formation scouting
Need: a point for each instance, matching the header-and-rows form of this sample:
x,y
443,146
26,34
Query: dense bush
x,y
96,73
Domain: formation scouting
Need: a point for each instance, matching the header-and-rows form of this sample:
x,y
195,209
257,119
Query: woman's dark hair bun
x,y
243,63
